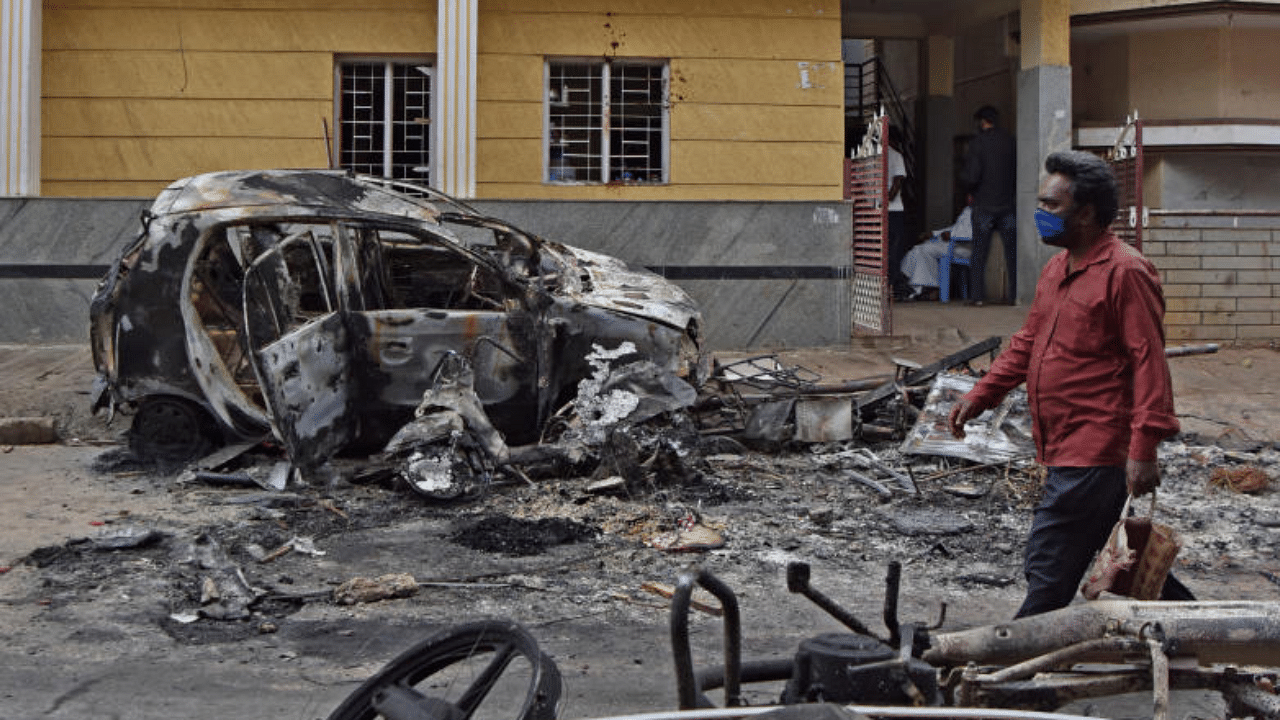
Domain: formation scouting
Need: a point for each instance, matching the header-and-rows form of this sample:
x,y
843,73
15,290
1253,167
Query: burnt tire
x,y
171,429
393,691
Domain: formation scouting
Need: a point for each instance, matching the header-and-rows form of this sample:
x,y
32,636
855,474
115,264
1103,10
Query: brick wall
x,y
1221,274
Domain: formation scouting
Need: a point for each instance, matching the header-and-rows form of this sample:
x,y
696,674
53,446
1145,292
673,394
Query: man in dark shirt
x,y
990,174
1092,355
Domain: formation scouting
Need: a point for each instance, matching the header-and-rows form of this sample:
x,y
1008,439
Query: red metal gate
x,y
865,187
1125,157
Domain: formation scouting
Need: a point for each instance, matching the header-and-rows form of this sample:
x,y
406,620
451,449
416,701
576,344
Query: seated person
x,y
920,264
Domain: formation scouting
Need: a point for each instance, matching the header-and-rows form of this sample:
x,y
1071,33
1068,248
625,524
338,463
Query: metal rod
x,y
798,582
686,681
867,383
1181,350
892,583
880,489
682,654
1030,667
868,459
923,713
1215,213
1244,631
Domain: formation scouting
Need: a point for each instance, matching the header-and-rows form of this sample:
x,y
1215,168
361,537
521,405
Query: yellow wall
x,y
742,125
138,93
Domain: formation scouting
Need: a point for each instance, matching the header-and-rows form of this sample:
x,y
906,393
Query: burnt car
x,y
317,304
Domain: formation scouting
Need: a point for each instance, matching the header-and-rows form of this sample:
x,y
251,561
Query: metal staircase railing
x,y
874,90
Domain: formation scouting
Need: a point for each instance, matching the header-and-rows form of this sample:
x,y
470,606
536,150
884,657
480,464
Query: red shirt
x,y
1092,354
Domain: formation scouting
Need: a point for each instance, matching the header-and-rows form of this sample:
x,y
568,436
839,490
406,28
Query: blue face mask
x,y
1048,224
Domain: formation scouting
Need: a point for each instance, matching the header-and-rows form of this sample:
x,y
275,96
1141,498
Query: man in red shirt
x,y
1092,355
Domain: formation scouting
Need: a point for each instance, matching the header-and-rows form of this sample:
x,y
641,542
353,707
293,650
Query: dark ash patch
x,y
512,536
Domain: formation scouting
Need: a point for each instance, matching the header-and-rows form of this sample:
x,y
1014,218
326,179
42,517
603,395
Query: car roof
x,y
332,193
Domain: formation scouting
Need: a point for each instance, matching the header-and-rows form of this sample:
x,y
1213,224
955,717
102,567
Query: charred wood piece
x,y
887,390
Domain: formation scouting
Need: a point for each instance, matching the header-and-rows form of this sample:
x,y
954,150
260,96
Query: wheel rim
x,y
393,691
170,429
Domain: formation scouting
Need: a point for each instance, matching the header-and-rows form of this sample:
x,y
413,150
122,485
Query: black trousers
x,y
984,221
897,250
1071,523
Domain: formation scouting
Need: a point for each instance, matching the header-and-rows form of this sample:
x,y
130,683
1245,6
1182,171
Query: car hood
x,y
606,282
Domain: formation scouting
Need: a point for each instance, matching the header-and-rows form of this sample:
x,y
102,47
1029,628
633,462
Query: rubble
x,y
225,592
391,586
690,535
1246,479
796,502
847,505
28,431
127,536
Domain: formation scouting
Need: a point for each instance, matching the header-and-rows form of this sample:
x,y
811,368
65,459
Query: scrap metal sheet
x,y
997,435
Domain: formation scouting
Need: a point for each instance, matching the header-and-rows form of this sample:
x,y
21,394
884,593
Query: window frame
x,y
340,61
607,157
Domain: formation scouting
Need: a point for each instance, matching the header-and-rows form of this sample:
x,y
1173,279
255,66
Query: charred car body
x,y
319,303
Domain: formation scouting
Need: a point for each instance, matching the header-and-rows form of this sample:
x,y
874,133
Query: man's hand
x,y
962,412
1142,476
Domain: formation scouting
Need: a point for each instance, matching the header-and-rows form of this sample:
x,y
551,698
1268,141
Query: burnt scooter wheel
x,y
400,689
171,429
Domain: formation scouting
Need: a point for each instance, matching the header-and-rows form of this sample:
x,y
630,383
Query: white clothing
x,y
897,168
920,264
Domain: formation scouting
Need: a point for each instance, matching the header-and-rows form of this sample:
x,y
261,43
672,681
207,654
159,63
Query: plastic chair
x,y
958,251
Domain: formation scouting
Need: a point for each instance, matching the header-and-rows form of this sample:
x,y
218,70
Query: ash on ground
x,y
959,536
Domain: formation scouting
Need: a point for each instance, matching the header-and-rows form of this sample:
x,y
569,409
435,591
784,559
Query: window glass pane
x,y
411,134
599,134
636,109
361,119
576,102
365,128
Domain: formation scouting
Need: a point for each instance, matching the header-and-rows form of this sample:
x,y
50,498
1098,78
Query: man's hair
x,y
1091,181
988,113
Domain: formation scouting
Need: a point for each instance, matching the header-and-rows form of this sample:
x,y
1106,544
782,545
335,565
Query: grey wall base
x,y
766,274
40,237
721,253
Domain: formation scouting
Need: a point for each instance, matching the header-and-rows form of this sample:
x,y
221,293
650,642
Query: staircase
x,y
867,89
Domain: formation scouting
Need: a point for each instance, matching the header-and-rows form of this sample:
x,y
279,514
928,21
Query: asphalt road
x,y
92,634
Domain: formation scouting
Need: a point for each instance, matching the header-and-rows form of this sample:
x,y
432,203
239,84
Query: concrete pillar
x,y
454,135
1044,122
939,130
20,48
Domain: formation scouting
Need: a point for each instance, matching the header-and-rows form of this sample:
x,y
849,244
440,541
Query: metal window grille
x,y
607,121
384,119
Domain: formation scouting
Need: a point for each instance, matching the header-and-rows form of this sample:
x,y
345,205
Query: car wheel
x,y
171,429
449,676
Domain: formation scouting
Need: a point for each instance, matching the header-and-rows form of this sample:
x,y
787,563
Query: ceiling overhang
x,y
917,18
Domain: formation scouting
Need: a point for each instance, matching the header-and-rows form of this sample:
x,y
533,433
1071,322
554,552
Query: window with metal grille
x,y
606,121
384,118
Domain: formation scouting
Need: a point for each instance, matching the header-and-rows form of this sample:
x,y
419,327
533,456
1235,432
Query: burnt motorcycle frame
x,y
1007,671
1031,665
